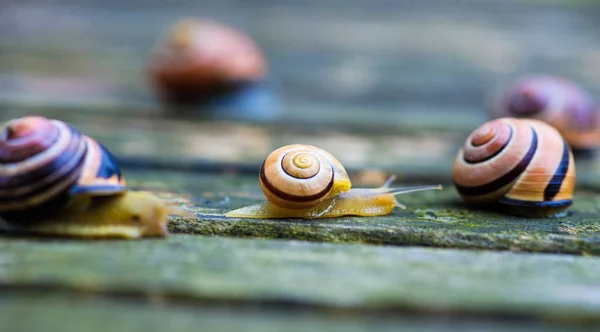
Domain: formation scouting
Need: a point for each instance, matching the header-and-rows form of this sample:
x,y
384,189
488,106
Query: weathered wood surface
x,y
78,313
119,315
414,154
327,278
398,69
387,87
397,61
434,218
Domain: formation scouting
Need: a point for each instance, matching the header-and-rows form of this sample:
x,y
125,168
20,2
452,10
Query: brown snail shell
x,y
298,176
520,165
562,103
202,58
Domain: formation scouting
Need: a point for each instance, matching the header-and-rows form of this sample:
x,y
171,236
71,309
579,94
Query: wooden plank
x,y
396,59
332,279
434,218
76,312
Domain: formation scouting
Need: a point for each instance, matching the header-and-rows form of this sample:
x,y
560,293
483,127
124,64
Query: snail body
x,y
54,180
201,59
303,181
522,166
130,215
562,103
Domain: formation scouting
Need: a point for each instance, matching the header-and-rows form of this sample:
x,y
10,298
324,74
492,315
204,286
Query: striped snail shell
x,y
522,165
202,58
298,176
557,101
303,181
44,162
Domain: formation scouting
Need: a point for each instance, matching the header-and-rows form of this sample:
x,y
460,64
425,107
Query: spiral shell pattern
x,y
561,103
299,176
43,162
516,162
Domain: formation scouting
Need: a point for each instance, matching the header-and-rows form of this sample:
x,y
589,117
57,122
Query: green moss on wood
x,y
437,219
328,277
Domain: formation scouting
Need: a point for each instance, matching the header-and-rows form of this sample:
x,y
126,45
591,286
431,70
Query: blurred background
x,y
392,81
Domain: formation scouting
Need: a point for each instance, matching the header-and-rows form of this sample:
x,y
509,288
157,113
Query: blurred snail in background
x,y
303,181
202,58
561,103
56,181
523,166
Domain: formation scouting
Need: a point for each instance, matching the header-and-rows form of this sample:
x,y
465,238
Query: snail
x,y
522,166
303,181
559,102
56,181
201,59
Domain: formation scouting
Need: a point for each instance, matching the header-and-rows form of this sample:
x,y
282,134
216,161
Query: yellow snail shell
x,y
303,181
522,165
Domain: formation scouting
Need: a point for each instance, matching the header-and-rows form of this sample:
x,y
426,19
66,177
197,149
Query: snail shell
x,y
303,181
202,58
43,163
559,102
55,181
299,176
521,164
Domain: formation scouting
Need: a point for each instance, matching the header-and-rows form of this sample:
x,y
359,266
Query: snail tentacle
x,y
389,181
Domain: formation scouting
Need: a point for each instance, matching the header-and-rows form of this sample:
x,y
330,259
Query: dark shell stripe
x,y
37,160
495,153
14,151
56,167
37,185
556,182
101,173
49,191
294,198
109,164
507,178
516,202
42,182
